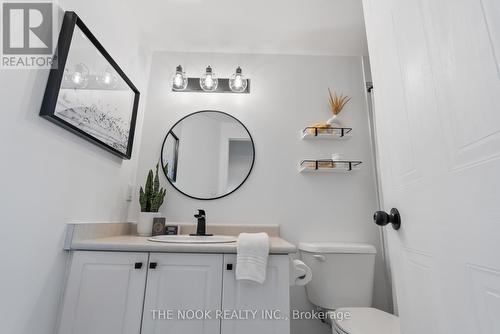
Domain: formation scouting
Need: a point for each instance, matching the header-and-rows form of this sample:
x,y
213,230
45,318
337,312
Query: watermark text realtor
x,y
27,35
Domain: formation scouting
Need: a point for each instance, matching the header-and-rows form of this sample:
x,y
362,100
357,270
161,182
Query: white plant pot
x,y
145,223
334,122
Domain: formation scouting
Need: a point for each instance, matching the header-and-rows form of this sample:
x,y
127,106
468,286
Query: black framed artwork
x,y
170,154
88,93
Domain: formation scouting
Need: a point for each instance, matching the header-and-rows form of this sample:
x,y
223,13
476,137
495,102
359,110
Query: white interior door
x,y
436,72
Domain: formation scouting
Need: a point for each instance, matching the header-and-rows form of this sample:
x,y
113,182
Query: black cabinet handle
x,y
383,218
153,265
229,266
138,265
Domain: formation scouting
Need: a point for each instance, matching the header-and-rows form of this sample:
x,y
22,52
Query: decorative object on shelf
x,y
159,226
209,83
325,132
179,81
337,103
328,165
332,127
318,128
237,82
99,106
150,198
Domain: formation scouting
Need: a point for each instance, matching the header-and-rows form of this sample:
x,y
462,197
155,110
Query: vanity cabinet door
x,y
269,300
104,293
178,284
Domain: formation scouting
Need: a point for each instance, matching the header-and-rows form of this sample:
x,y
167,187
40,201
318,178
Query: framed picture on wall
x,y
88,93
170,155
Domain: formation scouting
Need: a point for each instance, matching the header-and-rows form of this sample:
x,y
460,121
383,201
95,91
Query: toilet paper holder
x,y
300,273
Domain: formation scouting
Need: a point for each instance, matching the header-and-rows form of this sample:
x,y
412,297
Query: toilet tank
x,y
342,273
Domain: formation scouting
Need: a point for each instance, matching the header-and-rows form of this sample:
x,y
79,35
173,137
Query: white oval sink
x,y
193,239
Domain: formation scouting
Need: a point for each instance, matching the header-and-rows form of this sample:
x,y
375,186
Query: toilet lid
x,y
366,320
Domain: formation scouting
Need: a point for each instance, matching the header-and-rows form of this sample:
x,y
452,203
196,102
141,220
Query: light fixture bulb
x,y
209,82
108,78
238,83
79,77
179,80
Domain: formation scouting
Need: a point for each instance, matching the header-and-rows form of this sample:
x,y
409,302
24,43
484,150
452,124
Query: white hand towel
x,y
251,260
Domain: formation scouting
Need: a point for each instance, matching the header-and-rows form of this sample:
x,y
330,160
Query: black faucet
x,y
201,228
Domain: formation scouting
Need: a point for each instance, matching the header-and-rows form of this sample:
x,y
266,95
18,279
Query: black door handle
x,y
229,266
383,218
138,265
153,265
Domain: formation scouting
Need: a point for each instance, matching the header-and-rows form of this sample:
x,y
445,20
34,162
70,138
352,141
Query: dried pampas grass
x,y
337,102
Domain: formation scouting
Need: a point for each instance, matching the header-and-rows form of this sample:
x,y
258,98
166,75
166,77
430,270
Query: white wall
x,y
50,177
287,94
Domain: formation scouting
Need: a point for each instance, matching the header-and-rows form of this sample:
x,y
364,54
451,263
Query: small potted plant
x,y
337,103
150,198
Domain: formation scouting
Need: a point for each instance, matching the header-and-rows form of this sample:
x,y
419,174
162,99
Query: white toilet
x,y
342,282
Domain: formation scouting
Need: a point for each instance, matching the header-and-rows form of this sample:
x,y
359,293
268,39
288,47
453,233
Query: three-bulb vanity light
x,y
209,82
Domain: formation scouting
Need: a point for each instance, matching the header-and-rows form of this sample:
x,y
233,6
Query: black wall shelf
x,y
328,165
312,132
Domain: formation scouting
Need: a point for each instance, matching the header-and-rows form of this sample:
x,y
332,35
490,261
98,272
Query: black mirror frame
x,y
211,198
71,19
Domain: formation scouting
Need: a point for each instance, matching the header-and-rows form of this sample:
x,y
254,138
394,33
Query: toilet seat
x,y
365,320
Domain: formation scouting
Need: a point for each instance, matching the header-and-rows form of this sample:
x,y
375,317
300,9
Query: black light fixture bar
x,y
223,87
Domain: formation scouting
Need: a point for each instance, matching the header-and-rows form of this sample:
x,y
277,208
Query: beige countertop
x,y
132,243
119,237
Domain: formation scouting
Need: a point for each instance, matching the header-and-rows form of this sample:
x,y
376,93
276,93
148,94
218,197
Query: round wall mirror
x,y
207,155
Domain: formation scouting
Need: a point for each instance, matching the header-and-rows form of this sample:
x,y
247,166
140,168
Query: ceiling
x,y
312,27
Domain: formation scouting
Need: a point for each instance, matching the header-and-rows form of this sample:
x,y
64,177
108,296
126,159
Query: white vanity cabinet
x,y
182,283
104,293
116,292
270,301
